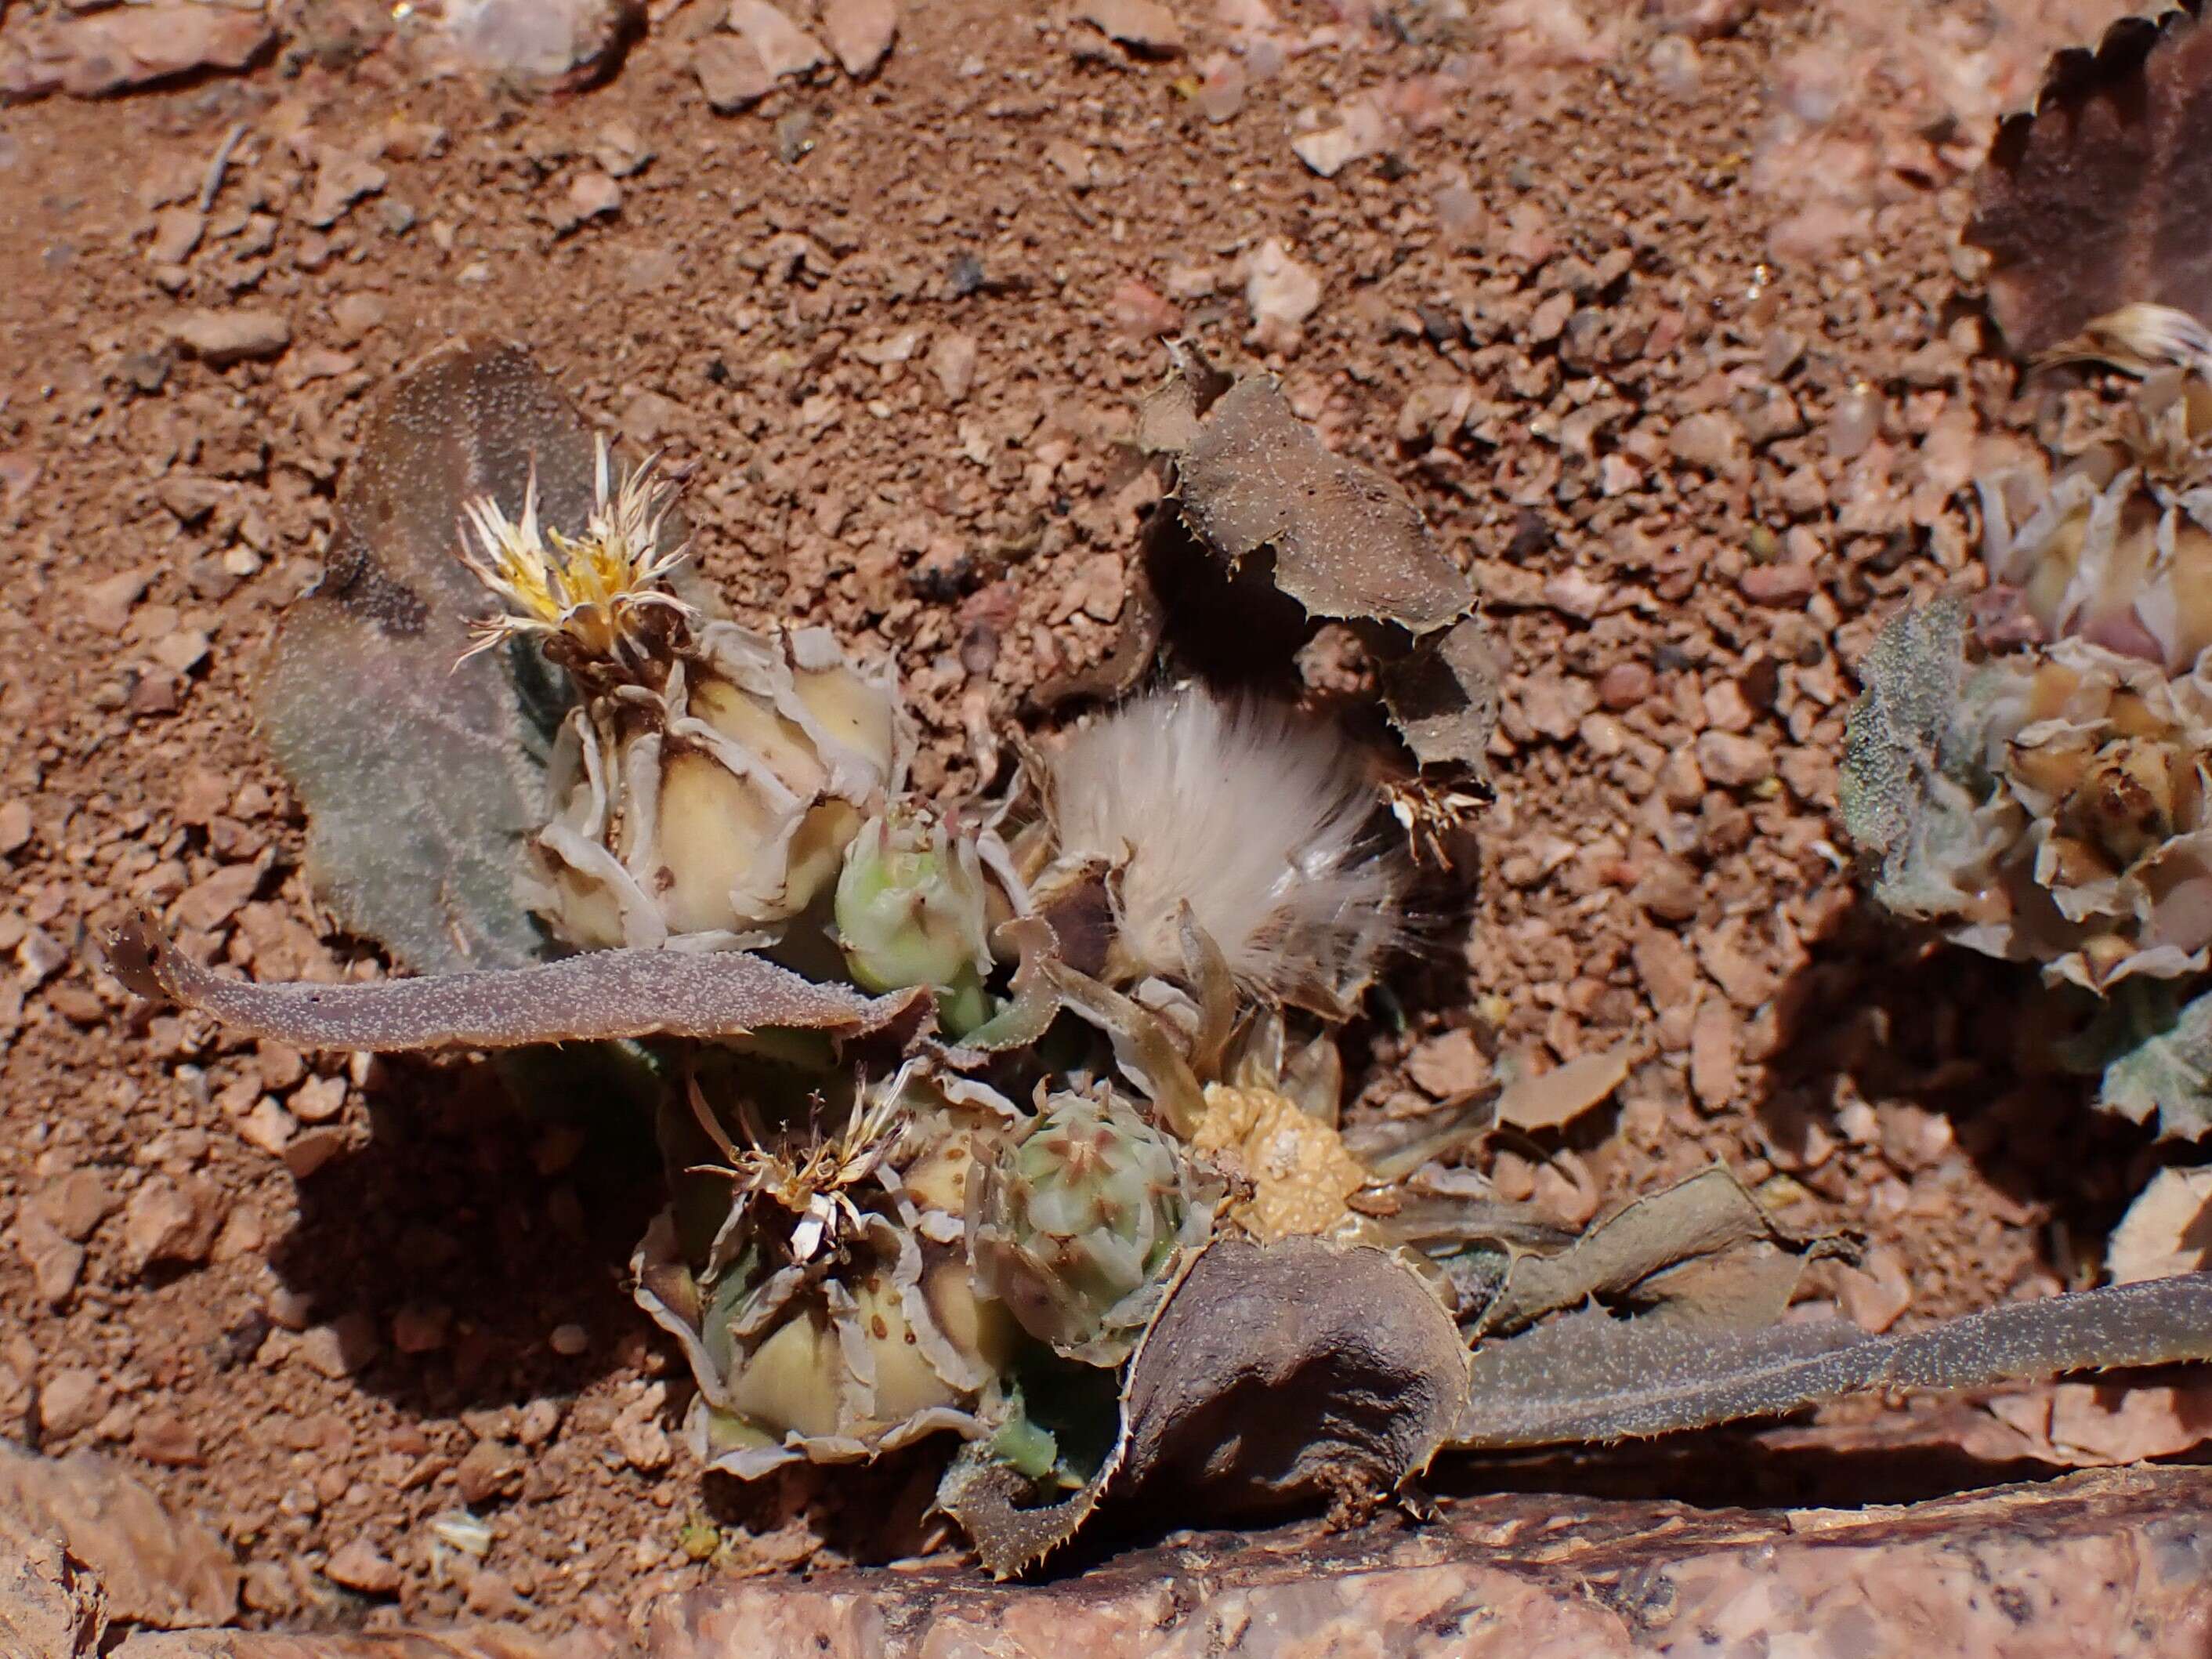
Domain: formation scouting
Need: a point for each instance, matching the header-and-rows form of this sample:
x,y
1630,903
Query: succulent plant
x,y
2050,804
1077,1223
2049,807
707,788
912,908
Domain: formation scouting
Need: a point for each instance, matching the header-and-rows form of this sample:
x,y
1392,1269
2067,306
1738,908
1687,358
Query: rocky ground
x,y
1659,313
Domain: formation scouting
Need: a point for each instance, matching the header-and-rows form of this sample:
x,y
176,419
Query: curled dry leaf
x,y
1345,543
1707,1216
424,774
598,996
1272,1374
2100,196
2167,1230
1348,542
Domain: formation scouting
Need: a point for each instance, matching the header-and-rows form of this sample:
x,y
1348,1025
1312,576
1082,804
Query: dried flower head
x,y
1265,826
2118,548
591,591
812,1183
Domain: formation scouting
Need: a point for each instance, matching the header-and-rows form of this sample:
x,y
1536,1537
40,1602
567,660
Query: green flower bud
x,y
912,908
1078,1222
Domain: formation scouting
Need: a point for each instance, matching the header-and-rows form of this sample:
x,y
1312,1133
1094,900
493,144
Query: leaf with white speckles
x,y
599,995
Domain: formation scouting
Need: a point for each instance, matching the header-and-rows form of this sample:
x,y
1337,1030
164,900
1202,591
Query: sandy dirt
x,y
1659,317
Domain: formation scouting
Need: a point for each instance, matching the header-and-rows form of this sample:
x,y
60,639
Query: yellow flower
x,y
591,590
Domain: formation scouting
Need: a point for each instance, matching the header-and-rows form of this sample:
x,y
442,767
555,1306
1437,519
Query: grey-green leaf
x,y
2157,1055
422,774
598,995
1588,1376
1908,789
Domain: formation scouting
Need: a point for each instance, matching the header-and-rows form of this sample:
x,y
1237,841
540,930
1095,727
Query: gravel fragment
x,y
782,47
731,73
220,338
359,1565
169,1221
1788,584
342,178
72,1401
860,32
77,1203
159,1436
1281,293
176,232
1713,441
1146,26
55,1262
1733,761
1716,1046
1448,1066
489,1471
346,1344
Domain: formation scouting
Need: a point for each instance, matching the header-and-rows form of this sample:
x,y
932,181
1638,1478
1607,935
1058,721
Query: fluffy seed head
x,y
1264,825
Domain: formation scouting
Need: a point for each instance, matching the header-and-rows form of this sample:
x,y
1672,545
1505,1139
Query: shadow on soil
x,y
1882,1015
511,1223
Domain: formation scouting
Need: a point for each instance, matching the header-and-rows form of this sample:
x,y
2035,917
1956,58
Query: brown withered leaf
x,y
1707,1216
1341,540
2100,196
1442,697
1272,1374
421,774
599,995
1348,542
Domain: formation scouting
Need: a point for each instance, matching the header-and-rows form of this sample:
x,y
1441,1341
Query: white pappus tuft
x,y
1264,824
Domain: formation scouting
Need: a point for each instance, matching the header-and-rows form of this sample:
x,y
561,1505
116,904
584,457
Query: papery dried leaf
x,y
421,774
1443,698
1588,1376
1143,1049
1168,416
1271,1374
1709,1213
1348,542
2101,196
598,995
